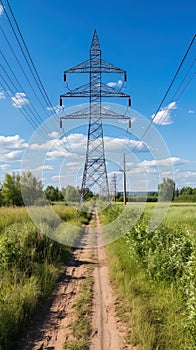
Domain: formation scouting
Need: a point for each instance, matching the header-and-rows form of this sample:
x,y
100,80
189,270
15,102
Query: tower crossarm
x,y
83,67
104,67
81,91
105,113
108,91
107,67
102,90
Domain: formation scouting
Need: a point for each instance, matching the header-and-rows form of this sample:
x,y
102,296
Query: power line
x,y
31,109
23,71
24,55
183,80
176,92
34,111
27,56
174,78
186,86
8,90
167,91
27,105
31,60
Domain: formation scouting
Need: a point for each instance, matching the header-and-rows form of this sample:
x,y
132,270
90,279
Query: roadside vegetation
x,y
155,277
30,265
154,271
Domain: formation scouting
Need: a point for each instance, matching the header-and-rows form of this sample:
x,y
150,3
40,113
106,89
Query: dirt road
x,y
51,328
108,332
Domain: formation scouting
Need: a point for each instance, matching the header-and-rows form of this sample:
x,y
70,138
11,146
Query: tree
x,y
88,194
53,194
32,189
119,197
177,193
186,190
11,191
152,197
71,194
166,190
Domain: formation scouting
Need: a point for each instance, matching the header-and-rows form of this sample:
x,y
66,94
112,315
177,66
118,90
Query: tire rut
x,y
51,329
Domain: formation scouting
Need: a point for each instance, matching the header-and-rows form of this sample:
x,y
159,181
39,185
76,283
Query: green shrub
x,y
30,265
155,275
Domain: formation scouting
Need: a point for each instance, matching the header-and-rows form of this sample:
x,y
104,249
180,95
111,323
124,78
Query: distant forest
x,y
35,194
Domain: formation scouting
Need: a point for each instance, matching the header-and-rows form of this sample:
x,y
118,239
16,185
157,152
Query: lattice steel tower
x,y
95,173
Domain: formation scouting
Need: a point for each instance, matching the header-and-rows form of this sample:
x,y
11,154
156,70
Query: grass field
x,y
30,265
154,274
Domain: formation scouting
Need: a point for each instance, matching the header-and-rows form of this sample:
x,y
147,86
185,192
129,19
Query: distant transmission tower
x,y
114,183
95,173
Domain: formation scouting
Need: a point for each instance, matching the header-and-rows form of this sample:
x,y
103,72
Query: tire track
x,y
51,326
108,333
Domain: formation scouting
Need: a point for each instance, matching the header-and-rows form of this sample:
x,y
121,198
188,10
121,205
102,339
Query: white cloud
x,y
163,162
1,10
71,146
59,177
43,168
75,142
112,144
74,146
67,155
42,146
191,111
10,156
188,174
163,117
54,109
74,164
2,95
12,142
119,83
68,143
52,155
4,166
19,100
54,135
148,171
11,149
185,178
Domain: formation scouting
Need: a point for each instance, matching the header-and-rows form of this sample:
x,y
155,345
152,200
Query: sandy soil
x,y
51,329
51,326
108,332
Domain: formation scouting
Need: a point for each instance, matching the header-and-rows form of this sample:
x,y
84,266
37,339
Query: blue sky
x,y
148,40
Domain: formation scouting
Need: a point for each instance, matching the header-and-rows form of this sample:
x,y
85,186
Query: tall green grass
x,y
155,276
9,216
30,265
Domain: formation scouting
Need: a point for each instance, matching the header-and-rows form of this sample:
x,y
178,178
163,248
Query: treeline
x,y
10,192
167,191
143,197
185,194
26,189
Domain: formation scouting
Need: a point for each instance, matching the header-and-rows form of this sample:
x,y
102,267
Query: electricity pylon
x,y
95,173
114,184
